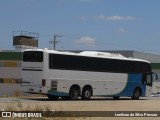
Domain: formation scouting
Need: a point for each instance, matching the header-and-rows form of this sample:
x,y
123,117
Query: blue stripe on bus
x,y
134,80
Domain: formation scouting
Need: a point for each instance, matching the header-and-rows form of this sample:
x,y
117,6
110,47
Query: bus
x,y
72,75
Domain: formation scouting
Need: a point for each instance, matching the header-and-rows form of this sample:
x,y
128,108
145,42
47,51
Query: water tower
x,y
25,40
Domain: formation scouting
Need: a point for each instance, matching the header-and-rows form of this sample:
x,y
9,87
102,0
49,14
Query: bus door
x,y
147,81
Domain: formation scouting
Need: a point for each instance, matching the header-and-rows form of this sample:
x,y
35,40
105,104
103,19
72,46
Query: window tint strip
x,y
33,56
82,63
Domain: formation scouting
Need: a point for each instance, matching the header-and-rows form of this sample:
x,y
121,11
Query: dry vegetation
x,y
98,105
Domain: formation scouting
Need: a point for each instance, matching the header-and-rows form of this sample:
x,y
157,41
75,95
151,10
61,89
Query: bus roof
x,y
91,54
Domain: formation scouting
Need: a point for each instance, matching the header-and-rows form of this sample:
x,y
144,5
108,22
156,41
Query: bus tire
x,y
116,97
51,97
86,93
74,92
136,94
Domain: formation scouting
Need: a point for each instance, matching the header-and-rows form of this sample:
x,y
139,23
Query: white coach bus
x,y
72,75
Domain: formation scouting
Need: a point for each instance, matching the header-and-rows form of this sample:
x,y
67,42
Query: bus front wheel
x,y
136,94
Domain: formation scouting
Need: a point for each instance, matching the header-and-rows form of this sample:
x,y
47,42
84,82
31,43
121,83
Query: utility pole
x,y
54,42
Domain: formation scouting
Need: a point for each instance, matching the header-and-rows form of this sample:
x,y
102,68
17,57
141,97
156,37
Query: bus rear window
x,y
33,56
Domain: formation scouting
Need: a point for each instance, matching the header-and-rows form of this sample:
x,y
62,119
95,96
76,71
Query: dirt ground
x,y
91,105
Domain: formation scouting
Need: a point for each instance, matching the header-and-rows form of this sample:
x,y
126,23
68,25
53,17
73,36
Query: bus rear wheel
x,y
86,93
74,93
136,94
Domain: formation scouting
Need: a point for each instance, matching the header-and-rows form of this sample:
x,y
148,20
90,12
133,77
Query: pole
x,y
54,40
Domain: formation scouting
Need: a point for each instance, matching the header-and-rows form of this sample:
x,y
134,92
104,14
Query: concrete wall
x,y
10,73
9,89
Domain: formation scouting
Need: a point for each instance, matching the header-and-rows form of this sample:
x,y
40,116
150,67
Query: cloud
x,y
88,41
114,17
82,18
121,31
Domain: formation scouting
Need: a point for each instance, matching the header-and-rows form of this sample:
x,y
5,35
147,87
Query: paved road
x,y
38,99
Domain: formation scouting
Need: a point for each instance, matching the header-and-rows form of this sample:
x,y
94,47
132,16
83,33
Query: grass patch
x,y
19,106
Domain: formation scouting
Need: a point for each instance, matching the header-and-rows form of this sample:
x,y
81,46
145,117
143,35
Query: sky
x,y
84,24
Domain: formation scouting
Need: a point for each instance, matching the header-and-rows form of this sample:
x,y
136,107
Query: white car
x,y
155,94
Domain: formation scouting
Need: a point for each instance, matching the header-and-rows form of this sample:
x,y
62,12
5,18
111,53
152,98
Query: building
x,y
10,72
10,62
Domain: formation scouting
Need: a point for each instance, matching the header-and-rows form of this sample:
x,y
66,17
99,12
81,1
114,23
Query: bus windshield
x,y
33,56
